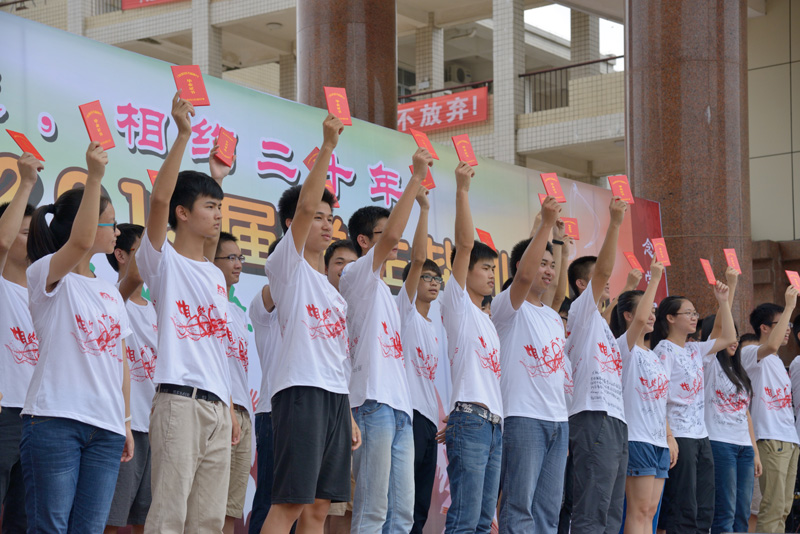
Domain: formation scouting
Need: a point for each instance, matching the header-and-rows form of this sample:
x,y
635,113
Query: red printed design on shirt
x,y
394,348
731,402
221,291
98,337
143,364
569,385
489,359
106,296
653,389
778,398
425,364
325,324
548,362
206,322
237,348
25,348
610,359
689,391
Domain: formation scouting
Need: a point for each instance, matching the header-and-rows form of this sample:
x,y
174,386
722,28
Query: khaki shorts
x,y
241,457
341,508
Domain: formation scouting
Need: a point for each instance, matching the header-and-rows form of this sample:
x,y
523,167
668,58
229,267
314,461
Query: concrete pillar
x,y
430,57
206,40
288,69
584,43
509,62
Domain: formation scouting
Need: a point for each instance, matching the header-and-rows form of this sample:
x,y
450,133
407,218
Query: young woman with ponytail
x,y
76,423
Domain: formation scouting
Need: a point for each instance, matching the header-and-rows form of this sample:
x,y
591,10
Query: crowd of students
x,y
120,410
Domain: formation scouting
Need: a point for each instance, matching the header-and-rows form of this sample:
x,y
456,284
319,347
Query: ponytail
x,y
627,302
669,306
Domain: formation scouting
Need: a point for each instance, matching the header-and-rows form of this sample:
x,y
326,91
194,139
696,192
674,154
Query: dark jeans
x,y
424,469
12,488
689,490
262,500
565,516
734,476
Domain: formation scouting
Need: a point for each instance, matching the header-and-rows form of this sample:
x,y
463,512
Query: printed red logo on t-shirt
x,y
778,398
732,403
221,290
106,296
325,324
143,365
692,389
237,349
25,348
98,337
394,348
652,390
203,323
569,385
489,359
425,364
610,359
550,361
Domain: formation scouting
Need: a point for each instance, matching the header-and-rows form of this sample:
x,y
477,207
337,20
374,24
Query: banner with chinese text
x,y
446,111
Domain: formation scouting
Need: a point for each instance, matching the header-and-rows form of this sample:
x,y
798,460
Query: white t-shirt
x,y
80,323
141,346
421,351
726,409
771,407
236,350
19,347
686,399
267,333
596,362
191,302
312,316
644,389
532,359
474,350
374,326
794,375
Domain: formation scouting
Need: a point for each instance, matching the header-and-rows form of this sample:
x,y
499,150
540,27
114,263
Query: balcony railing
x,y
447,90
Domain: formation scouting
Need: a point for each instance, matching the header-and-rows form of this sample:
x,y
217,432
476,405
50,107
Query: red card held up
x,y
794,279
227,147
634,263
96,124
552,186
329,187
311,158
427,182
542,196
730,257
464,149
336,98
621,188
423,142
709,272
189,80
486,238
152,175
571,227
661,250
23,142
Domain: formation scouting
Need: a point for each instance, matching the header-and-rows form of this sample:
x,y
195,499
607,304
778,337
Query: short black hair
x,y
272,246
225,237
287,204
128,234
517,252
748,338
579,270
487,301
28,209
363,221
429,265
764,314
480,251
190,186
336,245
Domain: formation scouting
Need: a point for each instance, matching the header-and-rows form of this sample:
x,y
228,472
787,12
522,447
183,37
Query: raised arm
x,y
465,231
776,337
534,253
314,186
398,219
128,449
132,279
732,279
419,248
11,221
84,227
164,186
608,252
561,287
645,306
218,171
558,235
724,317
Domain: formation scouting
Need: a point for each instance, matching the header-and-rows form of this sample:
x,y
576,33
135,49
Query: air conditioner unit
x,y
455,74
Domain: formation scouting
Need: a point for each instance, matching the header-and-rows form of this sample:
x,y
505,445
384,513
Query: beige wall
x,y
774,105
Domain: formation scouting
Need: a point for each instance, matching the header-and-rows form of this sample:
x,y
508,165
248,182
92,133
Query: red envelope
x,y
631,257
227,146
486,238
427,182
336,97
464,149
621,188
661,250
423,142
311,158
189,80
571,227
96,124
23,142
709,272
794,279
552,186
152,175
542,196
730,257
329,187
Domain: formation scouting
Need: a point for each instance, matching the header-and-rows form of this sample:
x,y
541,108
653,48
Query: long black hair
x,y
669,306
731,365
45,238
626,302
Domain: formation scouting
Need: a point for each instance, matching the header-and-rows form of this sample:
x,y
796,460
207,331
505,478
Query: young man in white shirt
x,y
598,433
771,411
473,434
191,427
337,257
313,429
379,395
536,432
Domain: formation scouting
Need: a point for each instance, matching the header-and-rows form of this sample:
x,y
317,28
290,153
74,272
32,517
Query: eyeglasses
x,y
790,325
109,225
431,278
690,314
231,257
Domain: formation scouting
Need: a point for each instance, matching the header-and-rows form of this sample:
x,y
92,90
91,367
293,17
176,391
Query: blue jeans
x,y
532,474
70,470
734,478
384,471
262,500
474,452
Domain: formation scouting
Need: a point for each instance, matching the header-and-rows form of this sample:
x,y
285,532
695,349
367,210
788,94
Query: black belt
x,y
240,408
480,411
188,391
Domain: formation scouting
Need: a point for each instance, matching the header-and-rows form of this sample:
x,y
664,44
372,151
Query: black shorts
x,y
312,440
